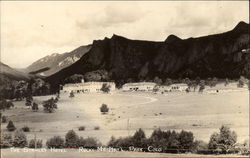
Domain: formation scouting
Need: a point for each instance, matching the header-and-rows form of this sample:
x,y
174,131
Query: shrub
x,y
71,139
4,119
5,104
9,104
35,106
71,95
104,108
125,142
49,105
241,81
105,88
26,129
29,100
11,127
6,140
55,142
202,86
20,139
81,142
96,128
82,128
39,143
168,82
199,146
91,143
121,142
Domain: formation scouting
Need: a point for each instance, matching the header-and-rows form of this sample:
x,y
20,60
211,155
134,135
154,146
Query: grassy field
x,y
202,114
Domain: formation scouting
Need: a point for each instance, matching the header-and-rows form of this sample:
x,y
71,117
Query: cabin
x,y
86,87
139,86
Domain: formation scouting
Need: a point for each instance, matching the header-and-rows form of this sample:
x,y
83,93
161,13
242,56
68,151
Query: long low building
x,y
139,86
177,87
87,87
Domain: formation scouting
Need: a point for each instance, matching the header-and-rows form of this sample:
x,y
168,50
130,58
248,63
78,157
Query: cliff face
x,y
221,55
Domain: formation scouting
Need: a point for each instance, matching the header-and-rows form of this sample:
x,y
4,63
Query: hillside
x,y
10,73
55,62
220,55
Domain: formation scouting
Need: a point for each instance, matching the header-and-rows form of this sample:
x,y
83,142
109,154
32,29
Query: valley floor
x,y
202,114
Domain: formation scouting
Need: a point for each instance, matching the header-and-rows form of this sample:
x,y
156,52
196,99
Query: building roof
x,y
87,84
140,84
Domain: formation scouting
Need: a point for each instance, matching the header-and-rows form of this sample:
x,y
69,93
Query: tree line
x,y
170,141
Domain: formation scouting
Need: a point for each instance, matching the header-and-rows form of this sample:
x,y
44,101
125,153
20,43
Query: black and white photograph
x,y
124,79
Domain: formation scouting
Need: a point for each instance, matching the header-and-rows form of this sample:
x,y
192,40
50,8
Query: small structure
x,y
86,87
139,86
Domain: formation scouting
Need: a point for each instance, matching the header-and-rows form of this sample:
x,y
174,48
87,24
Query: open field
x,y
202,114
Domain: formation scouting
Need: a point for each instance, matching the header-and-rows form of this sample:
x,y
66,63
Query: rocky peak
x,y
241,26
172,38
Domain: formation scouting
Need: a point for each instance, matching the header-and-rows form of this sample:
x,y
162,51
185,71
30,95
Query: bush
x,y
49,105
90,143
241,82
105,88
81,142
5,104
104,108
20,139
96,128
26,129
71,95
11,127
39,143
71,139
6,140
55,142
82,128
29,100
35,106
9,104
4,119
200,147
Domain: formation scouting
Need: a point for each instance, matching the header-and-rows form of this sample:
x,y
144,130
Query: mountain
x,y
220,55
53,63
12,74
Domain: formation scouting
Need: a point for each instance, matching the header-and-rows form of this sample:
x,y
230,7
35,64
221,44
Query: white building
x,y
139,86
178,87
87,87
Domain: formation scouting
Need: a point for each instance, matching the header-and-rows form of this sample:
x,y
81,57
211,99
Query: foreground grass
x,y
74,153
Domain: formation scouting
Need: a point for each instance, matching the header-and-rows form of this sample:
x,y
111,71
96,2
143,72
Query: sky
x,y
31,30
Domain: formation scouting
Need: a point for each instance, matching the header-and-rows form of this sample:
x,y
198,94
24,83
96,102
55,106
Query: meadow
x,y
202,114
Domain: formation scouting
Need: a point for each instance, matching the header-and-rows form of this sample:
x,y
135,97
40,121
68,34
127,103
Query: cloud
x,y
112,15
31,30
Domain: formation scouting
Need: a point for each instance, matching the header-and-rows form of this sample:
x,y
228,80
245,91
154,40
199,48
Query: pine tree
x,y
11,126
